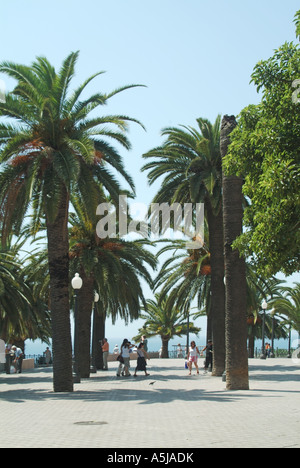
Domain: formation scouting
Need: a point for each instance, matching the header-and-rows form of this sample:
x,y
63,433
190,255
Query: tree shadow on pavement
x,y
143,391
276,373
143,396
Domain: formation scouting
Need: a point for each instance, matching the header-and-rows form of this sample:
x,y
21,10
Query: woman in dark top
x,y
141,361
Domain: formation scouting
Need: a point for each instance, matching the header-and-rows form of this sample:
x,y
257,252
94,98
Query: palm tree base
x,y
237,379
218,371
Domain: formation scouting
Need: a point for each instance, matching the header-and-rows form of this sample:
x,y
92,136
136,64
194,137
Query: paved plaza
x,y
169,409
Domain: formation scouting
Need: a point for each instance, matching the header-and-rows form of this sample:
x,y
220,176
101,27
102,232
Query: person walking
x,y
105,351
48,356
193,357
125,355
209,356
179,352
141,360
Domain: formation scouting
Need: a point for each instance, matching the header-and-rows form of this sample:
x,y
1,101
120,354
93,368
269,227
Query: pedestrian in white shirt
x,y
125,354
18,359
193,357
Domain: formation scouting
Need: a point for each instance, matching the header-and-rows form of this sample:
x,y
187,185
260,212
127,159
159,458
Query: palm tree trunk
x,y
237,374
165,347
209,326
251,346
58,257
215,224
85,305
99,334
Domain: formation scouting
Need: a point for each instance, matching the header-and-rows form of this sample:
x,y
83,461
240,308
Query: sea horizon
x,y
36,347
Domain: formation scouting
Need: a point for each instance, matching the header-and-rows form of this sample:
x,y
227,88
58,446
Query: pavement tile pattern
x,y
169,409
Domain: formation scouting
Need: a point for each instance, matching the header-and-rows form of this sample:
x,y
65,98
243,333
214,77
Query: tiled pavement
x,y
167,409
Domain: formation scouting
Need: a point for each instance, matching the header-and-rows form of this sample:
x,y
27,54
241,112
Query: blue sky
x,y
194,56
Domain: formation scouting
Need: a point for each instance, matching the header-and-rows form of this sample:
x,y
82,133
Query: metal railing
x,y
39,359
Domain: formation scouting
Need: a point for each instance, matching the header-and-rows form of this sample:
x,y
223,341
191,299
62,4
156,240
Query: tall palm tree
x,y
164,322
184,277
190,162
50,146
113,268
235,274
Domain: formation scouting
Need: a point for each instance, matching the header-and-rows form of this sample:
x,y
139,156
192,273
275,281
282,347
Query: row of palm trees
x,y
184,285
54,150
165,319
190,163
58,164
184,278
189,167
114,268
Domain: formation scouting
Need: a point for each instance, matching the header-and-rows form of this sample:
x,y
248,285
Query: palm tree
x,y
235,274
190,162
184,277
164,322
259,288
23,310
289,305
50,147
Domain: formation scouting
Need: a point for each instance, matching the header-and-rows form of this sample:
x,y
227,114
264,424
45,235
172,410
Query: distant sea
x,y
154,344
117,332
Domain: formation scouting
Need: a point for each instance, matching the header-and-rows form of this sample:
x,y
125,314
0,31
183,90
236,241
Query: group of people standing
x,y
193,354
13,359
124,357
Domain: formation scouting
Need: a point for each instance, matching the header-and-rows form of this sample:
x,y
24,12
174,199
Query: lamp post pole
x,y
76,285
94,339
263,349
290,343
188,333
272,355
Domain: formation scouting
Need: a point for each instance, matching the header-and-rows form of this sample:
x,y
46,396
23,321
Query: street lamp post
x,y
76,285
263,349
290,343
94,337
188,333
272,355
